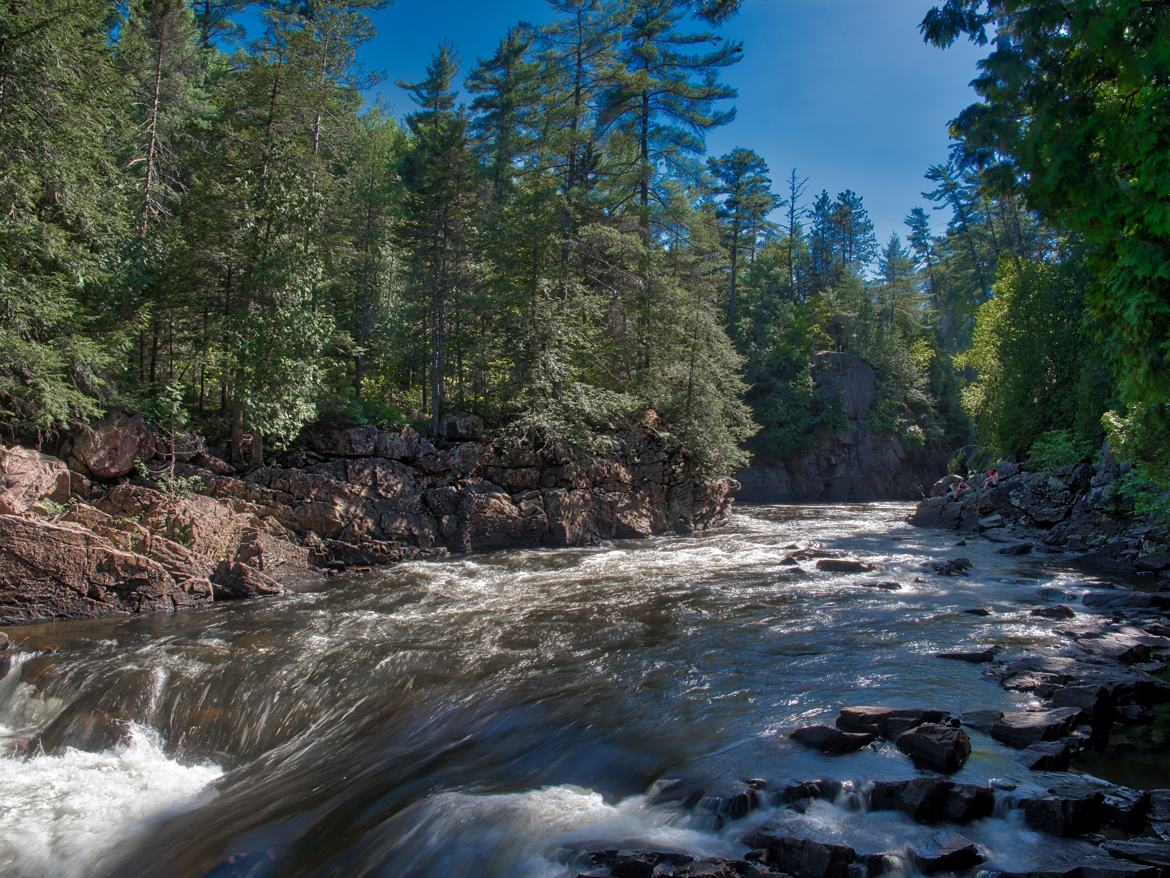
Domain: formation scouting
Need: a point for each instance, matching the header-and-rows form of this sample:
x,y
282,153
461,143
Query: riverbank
x,y
1072,511
510,713
96,537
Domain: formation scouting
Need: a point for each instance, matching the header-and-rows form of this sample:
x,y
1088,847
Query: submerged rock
x,y
975,657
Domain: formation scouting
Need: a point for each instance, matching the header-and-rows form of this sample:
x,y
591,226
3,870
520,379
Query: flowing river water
x,y
487,715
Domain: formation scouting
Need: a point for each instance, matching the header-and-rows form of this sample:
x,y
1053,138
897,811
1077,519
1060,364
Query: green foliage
x,y
1029,353
61,209
175,487
1074,113
352,412
1055,448
1147,495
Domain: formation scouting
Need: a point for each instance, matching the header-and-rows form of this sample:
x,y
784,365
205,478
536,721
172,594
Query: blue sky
x,y
843,90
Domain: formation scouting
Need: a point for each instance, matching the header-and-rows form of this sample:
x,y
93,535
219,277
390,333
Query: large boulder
x,y
53,571
936,747
27,476
109,447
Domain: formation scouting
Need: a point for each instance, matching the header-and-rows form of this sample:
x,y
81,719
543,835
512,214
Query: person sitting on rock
x,y
992,478
957,489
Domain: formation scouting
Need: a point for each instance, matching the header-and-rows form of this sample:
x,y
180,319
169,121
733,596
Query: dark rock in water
x,y
976,657
843,565
5,643
888,722
883,584
991,521
1022,728
636,864
1096,867
804,857
732,806
719,868
1122,599
978,611
932,800
961,543
1047,755
1017,549
789,562
1058,611
1121,807
981,720
1153,563
1092,699
948,853
952,567
1159,806
831,740
1058,595
810,789
1065,815
936,747
1148,852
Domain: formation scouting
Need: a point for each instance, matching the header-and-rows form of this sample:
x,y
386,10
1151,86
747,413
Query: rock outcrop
x,y
857,464
27,477
354,497
1069,508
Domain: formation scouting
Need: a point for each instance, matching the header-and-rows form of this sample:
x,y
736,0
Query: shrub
x,y
1058,448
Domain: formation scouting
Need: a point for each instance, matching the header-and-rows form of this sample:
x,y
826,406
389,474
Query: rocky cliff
x,y
854,465
1071,509
86,540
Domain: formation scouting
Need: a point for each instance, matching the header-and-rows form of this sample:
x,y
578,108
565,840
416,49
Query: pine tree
x,y
666,93
438,174
746,200
507,93
158,48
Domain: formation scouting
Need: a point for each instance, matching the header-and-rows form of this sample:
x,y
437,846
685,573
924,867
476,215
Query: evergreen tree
x,y
746,200
63,199
438,175
666,94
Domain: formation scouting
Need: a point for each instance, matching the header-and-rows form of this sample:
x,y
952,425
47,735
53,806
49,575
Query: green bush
x,y
1149,496
1058,448
360,412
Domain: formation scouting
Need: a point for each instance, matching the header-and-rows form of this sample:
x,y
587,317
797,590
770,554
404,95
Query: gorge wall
x,y
857,464
86,539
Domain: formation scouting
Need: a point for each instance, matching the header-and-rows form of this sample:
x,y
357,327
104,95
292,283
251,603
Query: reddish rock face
x,y
109,448
27,476
52,571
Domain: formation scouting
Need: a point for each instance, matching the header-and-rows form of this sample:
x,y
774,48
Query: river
x,y
485,715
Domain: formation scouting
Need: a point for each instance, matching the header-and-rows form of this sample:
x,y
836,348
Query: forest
x,y
210,223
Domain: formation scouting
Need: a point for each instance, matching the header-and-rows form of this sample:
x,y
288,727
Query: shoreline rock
x,y
355,497
1069,509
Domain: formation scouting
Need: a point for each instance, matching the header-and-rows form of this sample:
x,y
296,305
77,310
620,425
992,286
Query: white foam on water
x,y
531,833
62,814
